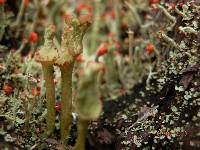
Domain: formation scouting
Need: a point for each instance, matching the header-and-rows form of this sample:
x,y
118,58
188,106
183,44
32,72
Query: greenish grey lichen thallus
x,y
64,58
47,56
88,105
71,47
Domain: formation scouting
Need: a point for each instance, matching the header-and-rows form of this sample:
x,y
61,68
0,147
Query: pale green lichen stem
x,y
22,46
180,13
20,14
117,11
188,30
130,37
50,96
82,134
66,102
95,26
134,12
37,5
169,40
2,22
169,16
87,106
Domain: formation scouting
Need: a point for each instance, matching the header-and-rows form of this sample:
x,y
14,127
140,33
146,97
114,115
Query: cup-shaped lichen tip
x,y
48,52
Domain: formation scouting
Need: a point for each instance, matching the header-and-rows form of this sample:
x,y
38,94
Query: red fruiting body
x,y
83,7
26,2
36,91
150,48
7,89
172,6
80,59
102,50
113,14
154,1
57,107
33,37
2,2
155,9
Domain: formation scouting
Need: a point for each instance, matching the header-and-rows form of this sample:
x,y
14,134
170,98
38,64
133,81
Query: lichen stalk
x,y
135,13
169,16
82,134
169,40
130,37
88,106
47,56
2,22
71,47
50,96
66,102
20,14
64,58
95,26
116,5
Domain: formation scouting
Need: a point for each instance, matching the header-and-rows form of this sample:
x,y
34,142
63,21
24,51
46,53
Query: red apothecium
x,y
36,91
83,7
7,89
2,2
150,48
102,50
33,37
26,3
80,59
154,1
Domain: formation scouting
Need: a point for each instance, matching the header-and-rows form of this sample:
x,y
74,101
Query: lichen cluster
x,y
49,55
